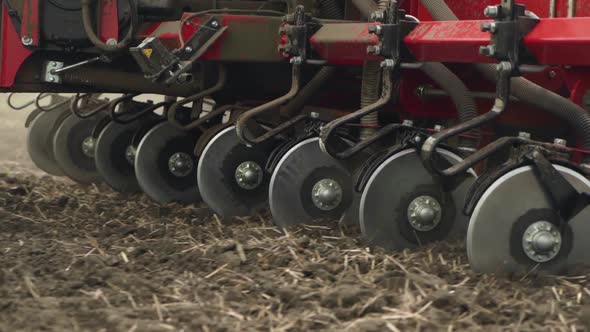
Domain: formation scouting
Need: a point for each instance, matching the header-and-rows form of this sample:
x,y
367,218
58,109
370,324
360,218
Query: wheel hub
x,y
541,241
249,175
326,194
130,154
424,213
88,145
180,164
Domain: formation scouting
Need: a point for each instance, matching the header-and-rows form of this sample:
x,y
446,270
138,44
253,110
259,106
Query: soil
x,y
84,258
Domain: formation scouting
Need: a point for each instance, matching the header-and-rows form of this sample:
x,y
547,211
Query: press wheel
x,y
512,229
232,177
115,156
307,185
40,134
402,206
74,145
165,165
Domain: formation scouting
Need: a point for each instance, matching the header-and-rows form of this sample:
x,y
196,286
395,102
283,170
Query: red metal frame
x,y
344,43
13,53
564,41
559,41
109,20
448,41
30,21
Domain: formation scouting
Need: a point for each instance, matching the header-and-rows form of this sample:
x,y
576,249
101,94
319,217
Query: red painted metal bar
x,y
344,43
448,41
109,20
13,53
561,41
30,23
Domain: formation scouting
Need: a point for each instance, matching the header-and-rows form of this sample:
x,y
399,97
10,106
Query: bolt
x,y
438,128
249,175
489,50
420,91
490,27
112,42
504,66
184,78
314,115
374,49
180,164
491,11
188,49
551,74
296,60
53,64
375,29
27,40
130,154
424,213
408,123
88,145
214,24
326,194
387,63
52,79
541,241
377,16
560,142
524,134
417,139
187,23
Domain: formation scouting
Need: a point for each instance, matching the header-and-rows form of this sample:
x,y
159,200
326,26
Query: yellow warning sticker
x,y
148,52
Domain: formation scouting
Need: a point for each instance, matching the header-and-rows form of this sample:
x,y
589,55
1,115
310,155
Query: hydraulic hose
x,y
525,90
95,40
456,89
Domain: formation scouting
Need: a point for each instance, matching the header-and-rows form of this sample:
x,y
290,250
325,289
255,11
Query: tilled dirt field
x,y
86,258
75,258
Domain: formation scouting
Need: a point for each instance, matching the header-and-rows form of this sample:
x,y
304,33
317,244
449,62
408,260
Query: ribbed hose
x,y
370,93
371,88
330,9
524,89
464,102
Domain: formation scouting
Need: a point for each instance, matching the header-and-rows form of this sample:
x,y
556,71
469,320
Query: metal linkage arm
x,y
130,116
173,109
87,100
244,119
505,72
328,131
